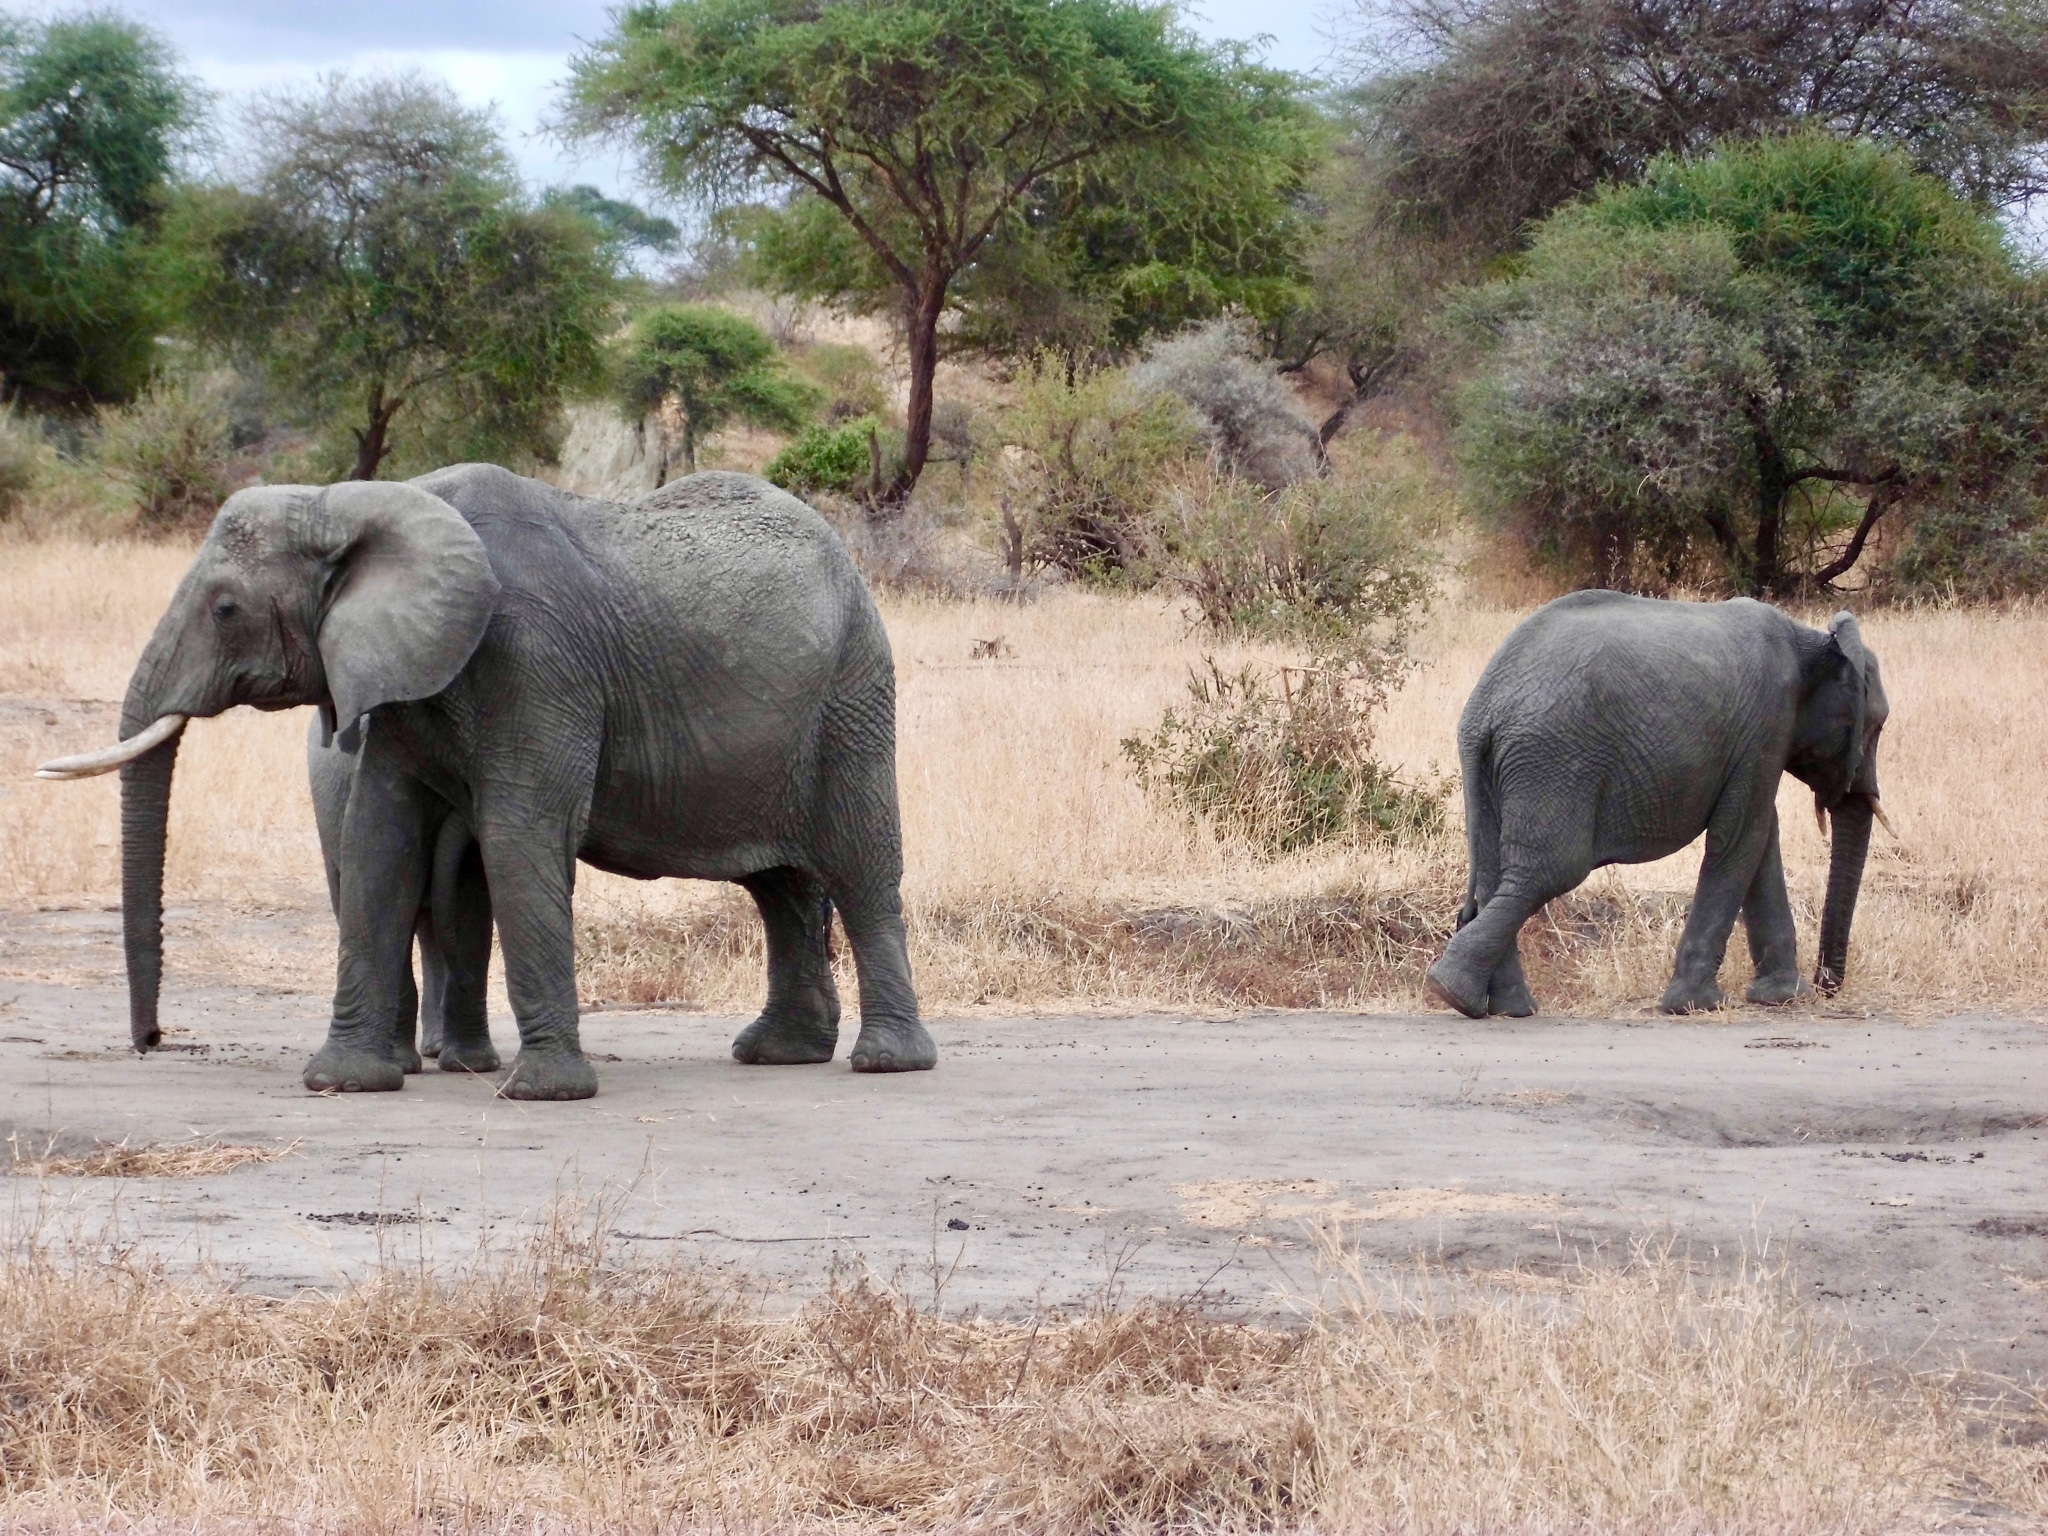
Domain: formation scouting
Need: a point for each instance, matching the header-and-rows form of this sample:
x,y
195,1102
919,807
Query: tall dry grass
x,y
556,1389
1038,873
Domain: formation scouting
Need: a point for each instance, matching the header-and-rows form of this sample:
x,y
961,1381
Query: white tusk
x,y
1883,820
1820,817
86,764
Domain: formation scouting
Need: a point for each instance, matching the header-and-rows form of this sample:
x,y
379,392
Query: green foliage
x,y
715,365
850,378
1325,561
618,223
838,457
1095,455
172,446
1730,373
916,135
387,272
1285,762
24,459
91,113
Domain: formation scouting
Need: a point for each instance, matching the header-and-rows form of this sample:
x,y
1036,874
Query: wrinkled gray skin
x,y
695,685
452,930
1614,730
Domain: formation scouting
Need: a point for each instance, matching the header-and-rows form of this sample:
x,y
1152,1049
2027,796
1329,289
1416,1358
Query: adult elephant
x,y
697,684
1613,730
452,929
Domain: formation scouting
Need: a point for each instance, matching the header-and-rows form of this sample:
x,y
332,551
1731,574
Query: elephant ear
x,y
1847,639
409,598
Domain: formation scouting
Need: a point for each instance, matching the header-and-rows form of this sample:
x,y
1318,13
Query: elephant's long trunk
x,y
1845,879
145,814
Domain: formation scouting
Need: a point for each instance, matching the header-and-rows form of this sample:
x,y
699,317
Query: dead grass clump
x,y
557,1390
152,1160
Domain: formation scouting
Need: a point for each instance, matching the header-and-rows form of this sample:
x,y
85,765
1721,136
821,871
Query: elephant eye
x,y
224,609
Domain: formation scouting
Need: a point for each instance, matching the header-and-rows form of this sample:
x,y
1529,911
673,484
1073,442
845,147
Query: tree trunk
x,y
925,308
1772,482
373,443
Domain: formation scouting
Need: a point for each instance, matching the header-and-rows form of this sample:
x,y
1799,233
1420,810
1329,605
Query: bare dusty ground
x,y
1898,1167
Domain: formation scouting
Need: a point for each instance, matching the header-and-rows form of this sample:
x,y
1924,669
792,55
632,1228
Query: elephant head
x,y
347,597
1841,716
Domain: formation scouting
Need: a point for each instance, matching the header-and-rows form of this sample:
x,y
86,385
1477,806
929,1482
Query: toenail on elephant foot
x,y
781,1041
1679,998
1771,991
336,1069
554,1076
1447,986
894,1048
457,1057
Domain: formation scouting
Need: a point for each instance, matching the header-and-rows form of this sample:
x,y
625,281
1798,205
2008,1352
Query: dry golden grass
x,y
1039,875
153,1160
554,1389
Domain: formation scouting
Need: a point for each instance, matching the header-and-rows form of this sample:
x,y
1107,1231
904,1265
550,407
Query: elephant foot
x,y
554,1075
341,1069
469,1056
1447,984
787,1040
894,1047
409,1058
1688,997
1513,1001
1771,991
432,1038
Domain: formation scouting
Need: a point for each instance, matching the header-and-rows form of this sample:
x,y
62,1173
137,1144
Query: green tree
x,y
623,224
1737,368
387,272
912,134
91,115
715,366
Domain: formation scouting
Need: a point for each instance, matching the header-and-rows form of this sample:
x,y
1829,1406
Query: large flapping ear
x,y
1848,640
411,593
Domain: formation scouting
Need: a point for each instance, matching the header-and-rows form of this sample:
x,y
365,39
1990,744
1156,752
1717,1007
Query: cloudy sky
x,y
510,53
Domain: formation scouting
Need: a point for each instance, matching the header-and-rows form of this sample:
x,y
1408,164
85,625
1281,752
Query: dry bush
x,y
557,1389
173,447
1038,873
1245,408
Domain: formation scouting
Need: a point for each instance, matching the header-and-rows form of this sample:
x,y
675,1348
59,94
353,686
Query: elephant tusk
x,y
1882,819
86,764
1820,816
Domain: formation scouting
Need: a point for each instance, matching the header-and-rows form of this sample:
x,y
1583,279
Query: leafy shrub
x,y
1243,404
850,378
1092,455
1320,561
1287,762
838,458
173,447
24,456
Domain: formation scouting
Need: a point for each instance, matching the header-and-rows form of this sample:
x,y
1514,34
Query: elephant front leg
x,y
800,1024
532,877
1739,831
383,878
1773,939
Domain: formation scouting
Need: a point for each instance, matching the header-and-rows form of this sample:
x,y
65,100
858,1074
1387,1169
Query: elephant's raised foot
x,y
772,1041
553,1076
1770,991
1683,997
459,1056
1446,985
339,1069
894,1048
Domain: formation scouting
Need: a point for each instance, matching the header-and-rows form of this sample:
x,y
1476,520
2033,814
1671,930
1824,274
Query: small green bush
x,y
849,377
1286,762
25,456
838,458
173,447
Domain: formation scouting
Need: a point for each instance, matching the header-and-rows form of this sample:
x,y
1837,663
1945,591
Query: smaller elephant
x,y
452,927
1610,729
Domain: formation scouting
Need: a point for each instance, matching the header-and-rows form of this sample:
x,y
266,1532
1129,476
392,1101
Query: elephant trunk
x,y
1852,820
145,815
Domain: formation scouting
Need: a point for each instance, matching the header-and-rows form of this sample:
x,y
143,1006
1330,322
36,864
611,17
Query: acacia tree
x,y
387,272
1738,368
926,126
91,111
715,366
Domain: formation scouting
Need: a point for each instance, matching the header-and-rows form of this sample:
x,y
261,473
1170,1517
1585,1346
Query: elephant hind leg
x,y
462,927
892,1037
800,1023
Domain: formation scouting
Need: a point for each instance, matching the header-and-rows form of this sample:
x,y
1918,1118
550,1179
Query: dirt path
x,y
1901,1167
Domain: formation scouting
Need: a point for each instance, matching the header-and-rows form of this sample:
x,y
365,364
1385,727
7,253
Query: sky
x,y
510,54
